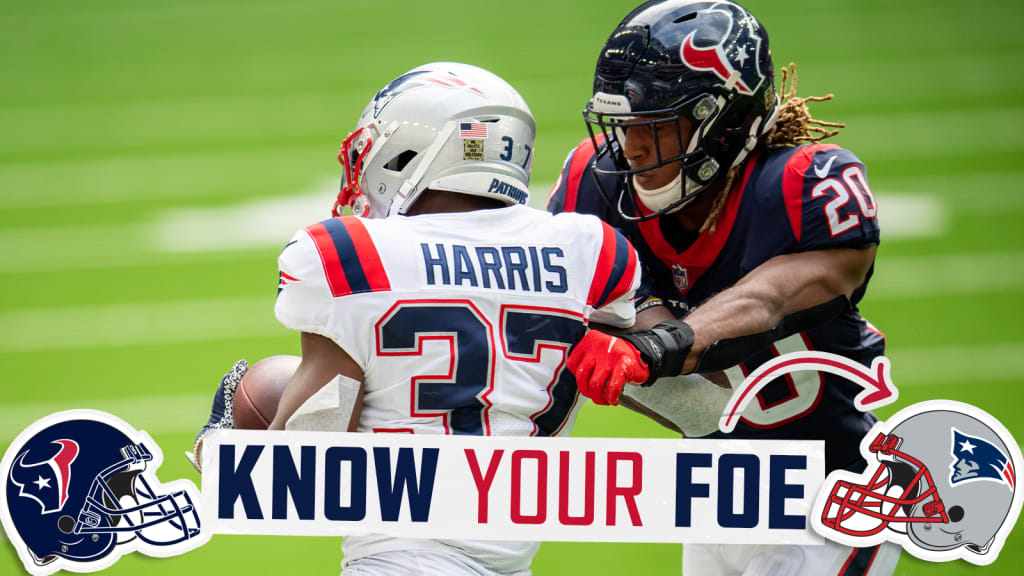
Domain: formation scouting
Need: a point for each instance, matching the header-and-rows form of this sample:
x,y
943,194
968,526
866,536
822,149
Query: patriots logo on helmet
x,y
977,459
79,490
727,55
284,279
46,481
413,80
388,93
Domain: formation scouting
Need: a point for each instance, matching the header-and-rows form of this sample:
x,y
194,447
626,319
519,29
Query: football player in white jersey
x,y
448,301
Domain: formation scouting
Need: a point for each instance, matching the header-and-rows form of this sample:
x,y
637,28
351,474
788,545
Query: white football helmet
x,y
442,126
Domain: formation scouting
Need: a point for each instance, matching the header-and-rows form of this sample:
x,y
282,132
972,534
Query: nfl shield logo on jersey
x,y
940,481
80,490
680,278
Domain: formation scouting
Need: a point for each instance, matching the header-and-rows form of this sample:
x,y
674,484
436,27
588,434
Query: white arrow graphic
x,y
876,381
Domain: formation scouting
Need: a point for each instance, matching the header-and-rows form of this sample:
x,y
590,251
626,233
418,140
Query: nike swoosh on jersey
x,y
823,171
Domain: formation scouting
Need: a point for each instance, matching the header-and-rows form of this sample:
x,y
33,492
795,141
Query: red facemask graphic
x,y
901,490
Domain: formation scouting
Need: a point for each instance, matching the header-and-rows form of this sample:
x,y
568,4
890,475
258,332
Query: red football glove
x,y
603,364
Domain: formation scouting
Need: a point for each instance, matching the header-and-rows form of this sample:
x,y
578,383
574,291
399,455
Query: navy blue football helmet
x,y
77,489
707,62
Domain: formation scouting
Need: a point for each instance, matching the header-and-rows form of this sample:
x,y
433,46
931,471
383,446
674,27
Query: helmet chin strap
x,y
659,199
411,188
666,198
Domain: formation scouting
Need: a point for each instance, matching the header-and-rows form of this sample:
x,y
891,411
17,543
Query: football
x,y
260,390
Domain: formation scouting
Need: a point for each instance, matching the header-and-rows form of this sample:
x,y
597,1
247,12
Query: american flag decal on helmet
x,y
472,130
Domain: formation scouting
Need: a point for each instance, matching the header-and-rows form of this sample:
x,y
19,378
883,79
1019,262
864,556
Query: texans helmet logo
x,y
740,45
46,481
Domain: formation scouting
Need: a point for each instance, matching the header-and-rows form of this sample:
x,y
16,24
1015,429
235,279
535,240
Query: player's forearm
x,y
740,311
322,361
295,395
311,376
786,295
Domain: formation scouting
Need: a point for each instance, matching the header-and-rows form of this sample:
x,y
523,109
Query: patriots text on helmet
x,y
506,189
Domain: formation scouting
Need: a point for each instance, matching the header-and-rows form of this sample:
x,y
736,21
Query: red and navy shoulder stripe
x,y
616,266
793,176
349,256
577,167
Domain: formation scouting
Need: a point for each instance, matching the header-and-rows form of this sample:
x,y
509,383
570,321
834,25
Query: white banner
x,y
511,488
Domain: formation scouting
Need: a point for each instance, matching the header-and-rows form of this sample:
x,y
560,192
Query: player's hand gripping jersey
x,y
787,200
461,322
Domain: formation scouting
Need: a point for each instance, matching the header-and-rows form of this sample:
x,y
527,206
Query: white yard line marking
x,y
905,216
924,134
997,362
972,192
258,224
154,414
970,273
115,179
202,234
265,222
137,323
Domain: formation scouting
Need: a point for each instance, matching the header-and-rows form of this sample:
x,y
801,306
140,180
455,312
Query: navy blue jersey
x,y
787,200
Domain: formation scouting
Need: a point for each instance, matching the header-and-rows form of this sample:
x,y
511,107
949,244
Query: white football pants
x,y
830,559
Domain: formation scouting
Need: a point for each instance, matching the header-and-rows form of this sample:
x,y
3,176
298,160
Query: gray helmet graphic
x,y
945,479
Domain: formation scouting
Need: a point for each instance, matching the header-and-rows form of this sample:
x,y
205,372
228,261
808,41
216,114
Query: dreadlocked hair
x,y
720,198
793,126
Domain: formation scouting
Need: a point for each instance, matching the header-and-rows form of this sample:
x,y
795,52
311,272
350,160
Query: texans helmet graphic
x,y
79,491
944,486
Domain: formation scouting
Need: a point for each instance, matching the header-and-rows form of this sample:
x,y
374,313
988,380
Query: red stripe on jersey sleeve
x,y
329,259
626,281
605,263
577,167
793,176
367,253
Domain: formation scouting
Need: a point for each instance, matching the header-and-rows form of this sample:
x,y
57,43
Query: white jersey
x,y
461,323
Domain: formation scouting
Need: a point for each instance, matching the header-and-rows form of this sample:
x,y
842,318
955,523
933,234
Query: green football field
x,y
155,156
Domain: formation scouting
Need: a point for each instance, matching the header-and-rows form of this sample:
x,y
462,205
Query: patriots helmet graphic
x,y
944,486
79,491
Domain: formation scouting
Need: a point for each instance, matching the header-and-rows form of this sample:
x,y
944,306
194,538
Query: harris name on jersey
x,y
524,268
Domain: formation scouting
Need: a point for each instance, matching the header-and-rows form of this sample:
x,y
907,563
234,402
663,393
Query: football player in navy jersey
x,y
755,240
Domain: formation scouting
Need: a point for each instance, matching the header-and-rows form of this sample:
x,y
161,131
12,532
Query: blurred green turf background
x,y
146,147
